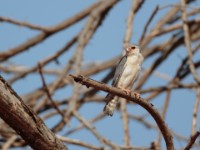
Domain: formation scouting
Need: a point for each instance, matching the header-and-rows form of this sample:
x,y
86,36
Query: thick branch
x,y
24,121
145,104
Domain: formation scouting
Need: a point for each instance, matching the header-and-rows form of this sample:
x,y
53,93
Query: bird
x,y
126,73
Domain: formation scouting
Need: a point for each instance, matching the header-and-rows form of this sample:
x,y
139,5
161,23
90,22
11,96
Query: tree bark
x,y
25,122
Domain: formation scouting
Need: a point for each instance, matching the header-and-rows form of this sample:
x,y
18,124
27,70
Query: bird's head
x,y
132,49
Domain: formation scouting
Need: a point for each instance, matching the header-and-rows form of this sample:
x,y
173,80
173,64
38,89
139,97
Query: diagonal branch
x,y
44,35
24,121
48,92
192,141
25,24
140,101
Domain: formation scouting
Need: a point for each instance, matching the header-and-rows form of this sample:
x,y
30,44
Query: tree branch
x,y
140,101
187,39
24,121
192,141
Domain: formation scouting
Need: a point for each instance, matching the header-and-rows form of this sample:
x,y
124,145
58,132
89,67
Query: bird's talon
x,y
137,95
127,91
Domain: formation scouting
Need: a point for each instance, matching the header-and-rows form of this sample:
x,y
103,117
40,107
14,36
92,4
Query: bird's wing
x,y
119,70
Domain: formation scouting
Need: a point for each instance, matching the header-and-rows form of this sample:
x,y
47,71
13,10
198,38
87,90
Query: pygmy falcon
x,y
125,75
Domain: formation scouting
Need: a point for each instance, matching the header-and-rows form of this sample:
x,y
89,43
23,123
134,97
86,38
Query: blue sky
x,y
105,44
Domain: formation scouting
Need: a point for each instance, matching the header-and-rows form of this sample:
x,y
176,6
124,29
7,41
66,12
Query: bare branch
x,y
192,141
79,142
24,121
140,101
148,22
47,91
41,37
188,42
25,24
195,111
9,142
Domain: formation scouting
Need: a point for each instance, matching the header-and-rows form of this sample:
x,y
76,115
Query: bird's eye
x,y
133,47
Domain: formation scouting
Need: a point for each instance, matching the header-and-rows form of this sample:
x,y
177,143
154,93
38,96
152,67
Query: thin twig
x,y
169,87
142,120
195,111
47,91
125,122
173,28
102,140
188,42
148,22
129,23
159,26
46,60
78,142
42,36
25,24
97,118
52,89
9,142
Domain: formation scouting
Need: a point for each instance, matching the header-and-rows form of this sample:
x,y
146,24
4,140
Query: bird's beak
x,y
127,49
139,49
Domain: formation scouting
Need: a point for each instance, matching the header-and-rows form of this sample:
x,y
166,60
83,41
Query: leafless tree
x,y
24,115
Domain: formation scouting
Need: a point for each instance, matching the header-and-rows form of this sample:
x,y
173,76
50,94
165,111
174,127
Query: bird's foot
x,y
137,95
127,91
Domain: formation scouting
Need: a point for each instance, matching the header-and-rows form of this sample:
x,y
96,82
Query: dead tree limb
x,y
24,121
140,101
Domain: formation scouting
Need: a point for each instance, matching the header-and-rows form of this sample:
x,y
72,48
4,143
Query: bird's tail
x,y
111,104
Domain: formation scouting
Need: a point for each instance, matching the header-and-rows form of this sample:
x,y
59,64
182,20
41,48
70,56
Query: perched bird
x,y
125,75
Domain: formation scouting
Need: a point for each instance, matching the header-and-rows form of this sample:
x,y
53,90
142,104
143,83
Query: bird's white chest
x,y
130,73
131,67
